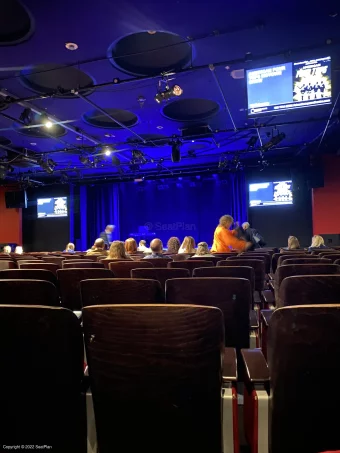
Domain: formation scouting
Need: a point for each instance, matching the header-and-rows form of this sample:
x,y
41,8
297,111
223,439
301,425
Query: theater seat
x,y
160,274
29,274
122,269
303,352
28,292
41,353
163,365
190,264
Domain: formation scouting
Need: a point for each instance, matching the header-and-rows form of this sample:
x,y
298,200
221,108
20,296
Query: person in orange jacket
x,y
225,239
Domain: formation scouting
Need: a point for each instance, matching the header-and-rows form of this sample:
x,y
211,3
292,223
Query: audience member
x,y
202,250
117,251
253,236
7,249
173,245
142,246
69,248
317,243
130,246
19,250
106,235
156,247
225,239
188,245
98,248
293,244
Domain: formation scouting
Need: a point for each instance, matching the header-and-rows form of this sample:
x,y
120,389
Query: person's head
x,y
245,225
317,241
18,250
131,245
156,246
109,228
202,248
70,246
293,243
142,243
117,250
188,244
7,249
99,244
226,221
173,245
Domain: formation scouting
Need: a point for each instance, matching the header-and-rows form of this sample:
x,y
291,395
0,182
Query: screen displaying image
x,y
289,86
270,193
52,207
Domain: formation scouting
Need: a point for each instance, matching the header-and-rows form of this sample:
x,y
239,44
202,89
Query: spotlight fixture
x,y
47,165
64,178
85,161
168,93
107,150
26,117
46,121
176,151
275,140
71,46
138,156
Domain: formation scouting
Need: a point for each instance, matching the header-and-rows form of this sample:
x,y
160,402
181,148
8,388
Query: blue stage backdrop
x,y
168,207
181,206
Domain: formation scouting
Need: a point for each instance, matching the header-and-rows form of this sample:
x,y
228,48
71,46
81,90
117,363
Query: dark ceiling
x,y
103,93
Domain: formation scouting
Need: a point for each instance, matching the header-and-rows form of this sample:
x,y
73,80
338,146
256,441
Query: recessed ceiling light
x,y
33,144
152,32
71,46
159,127
109,135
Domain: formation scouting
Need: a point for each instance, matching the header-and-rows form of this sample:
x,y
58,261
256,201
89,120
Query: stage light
x,y
168,93
138,156
46,121
86,161
26,117
274,141
108,151
176,152
47,165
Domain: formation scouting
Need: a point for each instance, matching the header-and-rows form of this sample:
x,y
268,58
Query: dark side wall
x,y
49,234
276,223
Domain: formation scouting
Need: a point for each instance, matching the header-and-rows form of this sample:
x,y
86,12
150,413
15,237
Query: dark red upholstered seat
x,y
158,262
213,259
69,284
82,264
257,265
190,264
122,269
227,271
8,264
163,365
28,292
288,254
160,274
121,291
266,257
41,350
40,265
307,260
29,274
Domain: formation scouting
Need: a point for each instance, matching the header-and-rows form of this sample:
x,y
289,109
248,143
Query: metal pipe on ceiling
x,y
213,71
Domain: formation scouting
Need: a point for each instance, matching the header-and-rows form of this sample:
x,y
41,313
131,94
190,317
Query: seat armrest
x,y
254,322
256,365
271,276
268,297
229,365
266,315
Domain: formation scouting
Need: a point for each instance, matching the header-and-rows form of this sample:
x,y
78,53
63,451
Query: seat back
x,y
190,264
29,274
160,274
290,254
41,352
40,265
303,357
158,262
107,261
323,251
266,257
308,260
213,259
310,289
121,291
246,272
54,260
257,265
69,284
231,295
163,365
122,269
28,292
7,264
290,270
182,256
83,264
330,256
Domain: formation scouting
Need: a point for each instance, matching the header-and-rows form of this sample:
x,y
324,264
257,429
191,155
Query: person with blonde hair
x,y
203,250
317,243
130,246
69,248
173,245
293,244
7,249
98,248
117,251
225,239
188,245
19,250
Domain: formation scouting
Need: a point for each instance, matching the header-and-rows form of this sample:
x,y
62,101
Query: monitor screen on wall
x,y
289,86
52,207
274,193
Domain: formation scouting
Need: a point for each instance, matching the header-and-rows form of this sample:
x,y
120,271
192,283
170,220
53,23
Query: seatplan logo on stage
x,y
175,226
